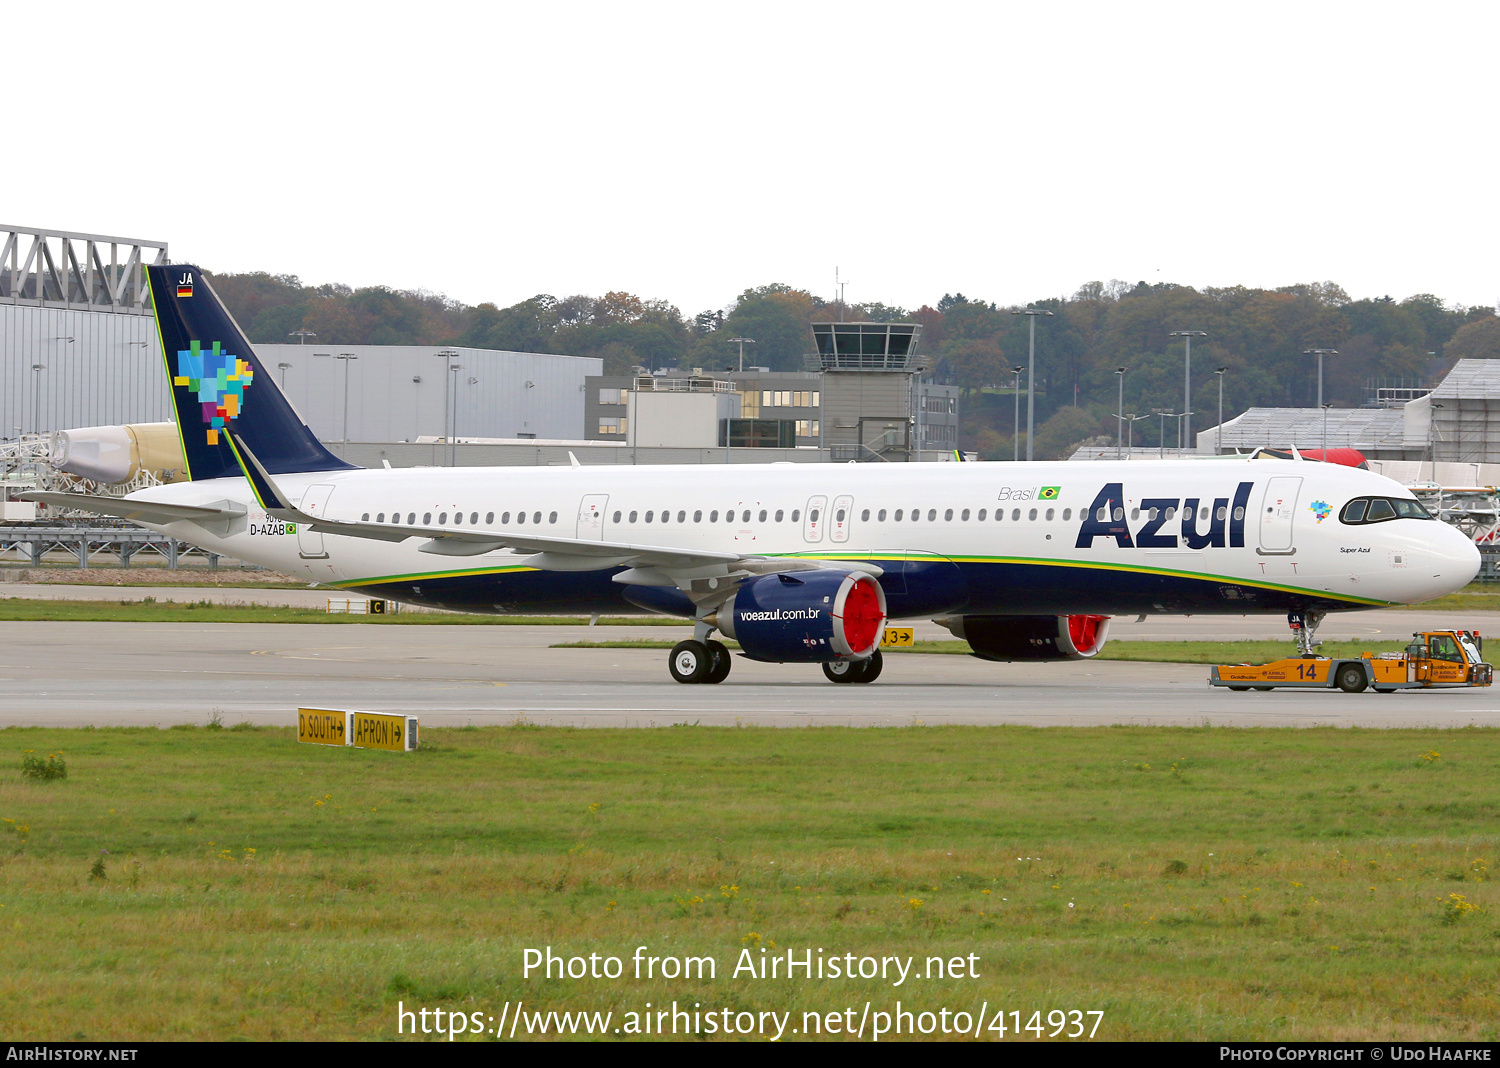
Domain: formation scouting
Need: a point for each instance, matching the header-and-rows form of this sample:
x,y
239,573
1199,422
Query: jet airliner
x,y
798,563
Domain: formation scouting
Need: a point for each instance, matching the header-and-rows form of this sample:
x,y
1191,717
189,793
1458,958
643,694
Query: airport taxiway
x,y
74,674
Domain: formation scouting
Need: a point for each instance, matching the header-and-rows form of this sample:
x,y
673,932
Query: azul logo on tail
x,y
1105,518
218,379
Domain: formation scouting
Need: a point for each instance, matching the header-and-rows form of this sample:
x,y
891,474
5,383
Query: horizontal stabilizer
x,y
138,511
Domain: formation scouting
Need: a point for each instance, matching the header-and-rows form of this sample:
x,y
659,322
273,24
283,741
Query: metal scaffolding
x,y
76,272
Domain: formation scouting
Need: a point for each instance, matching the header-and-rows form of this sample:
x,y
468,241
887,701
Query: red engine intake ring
x,y
859,615
1087,633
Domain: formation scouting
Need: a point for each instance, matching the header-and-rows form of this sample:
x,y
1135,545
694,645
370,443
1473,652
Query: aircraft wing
x,y
142,511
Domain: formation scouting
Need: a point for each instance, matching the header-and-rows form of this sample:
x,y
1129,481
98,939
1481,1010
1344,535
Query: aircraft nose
x,y
1459,559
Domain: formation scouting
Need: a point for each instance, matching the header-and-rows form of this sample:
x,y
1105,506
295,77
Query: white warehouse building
x,y
79,348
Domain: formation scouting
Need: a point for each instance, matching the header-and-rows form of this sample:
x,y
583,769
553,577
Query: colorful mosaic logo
x,y
218,379
1321,509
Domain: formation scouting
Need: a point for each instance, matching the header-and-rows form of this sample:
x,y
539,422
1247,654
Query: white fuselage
x,y
1014,527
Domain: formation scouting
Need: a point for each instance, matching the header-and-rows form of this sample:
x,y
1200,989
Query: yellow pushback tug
x,y
1435,659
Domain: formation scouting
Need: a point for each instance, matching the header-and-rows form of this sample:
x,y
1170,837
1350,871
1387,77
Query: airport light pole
x,y
742,342
36,396
1015,425
1325,408
1031,313
1161,440
1431,430
1120,412
446,355
348,358
1320,353
1183,418
302,335
282,367
1130,421
1219,440
1187,378
453,430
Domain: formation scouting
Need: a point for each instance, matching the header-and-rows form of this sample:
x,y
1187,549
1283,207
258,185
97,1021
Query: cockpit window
x,y
1381,509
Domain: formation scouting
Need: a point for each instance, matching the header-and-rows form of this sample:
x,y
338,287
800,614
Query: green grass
x,y
22,608
1191,883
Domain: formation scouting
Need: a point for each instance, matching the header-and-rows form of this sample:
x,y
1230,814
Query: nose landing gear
x,y
1304,628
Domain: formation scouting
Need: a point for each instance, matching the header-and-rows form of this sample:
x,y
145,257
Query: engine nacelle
x,y
119,453
1007,638
806,616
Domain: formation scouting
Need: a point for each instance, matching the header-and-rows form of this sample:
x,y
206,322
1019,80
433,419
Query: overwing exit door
x,y
591,517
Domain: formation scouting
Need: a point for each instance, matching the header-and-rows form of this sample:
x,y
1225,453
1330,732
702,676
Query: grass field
x,y
1202,884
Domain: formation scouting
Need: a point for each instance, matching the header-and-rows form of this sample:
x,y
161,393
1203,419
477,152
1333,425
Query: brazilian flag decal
x,y
1049,493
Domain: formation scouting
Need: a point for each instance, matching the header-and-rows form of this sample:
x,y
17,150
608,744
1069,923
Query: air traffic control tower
x,y
870,381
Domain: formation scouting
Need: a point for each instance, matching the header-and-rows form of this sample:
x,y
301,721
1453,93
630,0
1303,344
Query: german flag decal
x,y
1049,493
185,285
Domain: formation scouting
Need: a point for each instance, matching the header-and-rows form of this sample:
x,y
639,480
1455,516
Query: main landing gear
x,y
709,661
855,670
1304,629
695,661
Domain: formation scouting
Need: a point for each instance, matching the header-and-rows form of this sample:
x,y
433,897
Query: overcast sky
x,y
687,151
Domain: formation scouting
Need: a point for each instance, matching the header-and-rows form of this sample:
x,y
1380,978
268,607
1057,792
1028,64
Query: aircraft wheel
x,y
844,670
719,662
1351,679
1238,689
690,661
872,668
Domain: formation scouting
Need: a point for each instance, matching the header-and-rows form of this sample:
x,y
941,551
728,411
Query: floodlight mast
x,y
1120,412
1320,353
1015,423
1219,441
742,341
1187,378
1031,313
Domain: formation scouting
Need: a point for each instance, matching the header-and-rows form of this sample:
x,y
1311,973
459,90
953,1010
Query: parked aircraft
x,y
798,563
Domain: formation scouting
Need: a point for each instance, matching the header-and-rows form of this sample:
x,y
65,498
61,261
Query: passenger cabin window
x,y
489,518
411,518
763,515
442,519
426,519
473,518
551,517
1050,514
649,515
380,518
982,513
1379,510
617,517
964,515
1031,515
864,516
1067,514
898,515
520,517
812,516
796,514
632,516
365,518
779,514
505,520
948,516
698,516
1015,515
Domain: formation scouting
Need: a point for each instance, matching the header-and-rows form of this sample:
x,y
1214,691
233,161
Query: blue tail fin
x,y
218,382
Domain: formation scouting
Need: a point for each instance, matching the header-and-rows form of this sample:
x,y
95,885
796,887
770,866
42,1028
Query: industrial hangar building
x,y
79,348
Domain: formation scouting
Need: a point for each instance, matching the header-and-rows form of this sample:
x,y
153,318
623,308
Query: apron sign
x,y
361,730
375,730
322,726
